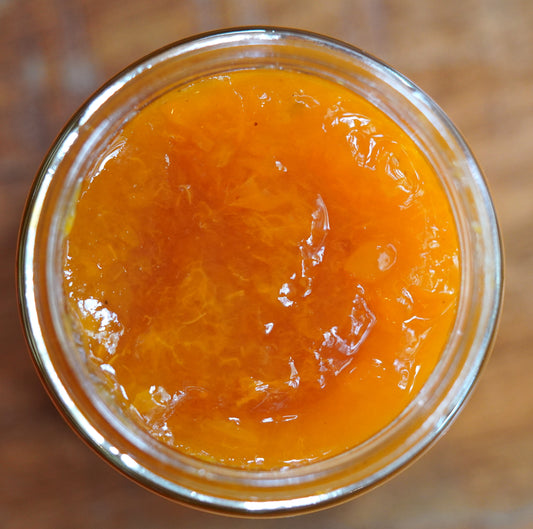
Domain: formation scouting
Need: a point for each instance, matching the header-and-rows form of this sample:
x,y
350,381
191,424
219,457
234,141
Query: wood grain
x,y
473,57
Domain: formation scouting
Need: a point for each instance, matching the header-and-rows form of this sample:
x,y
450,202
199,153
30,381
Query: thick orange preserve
x,y
263,269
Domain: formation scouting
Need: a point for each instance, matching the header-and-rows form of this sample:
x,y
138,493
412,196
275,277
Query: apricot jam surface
x,y
262,269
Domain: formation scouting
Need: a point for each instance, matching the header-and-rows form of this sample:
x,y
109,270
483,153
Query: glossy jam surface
x,y
262,269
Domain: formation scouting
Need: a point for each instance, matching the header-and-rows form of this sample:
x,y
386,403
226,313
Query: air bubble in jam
x,y
268,281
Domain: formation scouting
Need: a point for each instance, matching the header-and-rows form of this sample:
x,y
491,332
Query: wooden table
x,y
474,57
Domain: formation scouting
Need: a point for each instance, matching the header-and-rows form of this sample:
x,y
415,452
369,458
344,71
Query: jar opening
x,y
59,354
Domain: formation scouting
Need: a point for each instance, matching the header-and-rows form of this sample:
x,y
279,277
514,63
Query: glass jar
x,y
133,451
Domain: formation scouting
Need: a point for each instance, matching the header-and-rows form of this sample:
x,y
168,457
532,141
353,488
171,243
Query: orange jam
x,y
262,269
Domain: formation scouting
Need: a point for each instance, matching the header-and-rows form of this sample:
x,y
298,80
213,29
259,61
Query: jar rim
x,y
446,392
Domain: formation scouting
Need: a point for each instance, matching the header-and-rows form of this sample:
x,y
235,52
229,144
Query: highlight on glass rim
x,y
259,271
